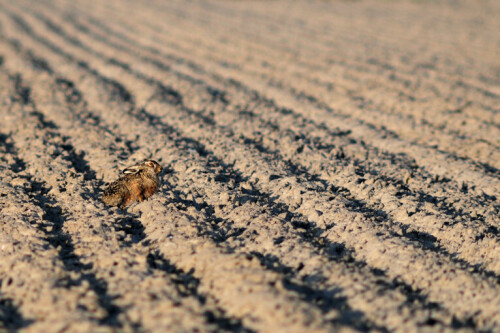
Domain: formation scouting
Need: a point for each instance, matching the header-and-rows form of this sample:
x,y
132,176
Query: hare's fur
x,y
138,183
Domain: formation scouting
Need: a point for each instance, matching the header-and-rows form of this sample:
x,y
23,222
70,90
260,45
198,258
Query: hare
x,y
138,183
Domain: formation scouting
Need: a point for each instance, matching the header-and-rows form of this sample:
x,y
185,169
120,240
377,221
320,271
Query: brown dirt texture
x,y
330,166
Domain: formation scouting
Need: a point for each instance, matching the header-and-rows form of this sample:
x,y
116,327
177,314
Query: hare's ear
x,y
131,170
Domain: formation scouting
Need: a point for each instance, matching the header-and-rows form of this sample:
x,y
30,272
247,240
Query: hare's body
x,y
138,183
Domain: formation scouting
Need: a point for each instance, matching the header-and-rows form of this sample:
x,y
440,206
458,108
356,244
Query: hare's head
x,y
154,165
146,164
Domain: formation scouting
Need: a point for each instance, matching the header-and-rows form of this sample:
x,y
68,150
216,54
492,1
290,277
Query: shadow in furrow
x,y
10,149
187,284
326,299
11,320
132,228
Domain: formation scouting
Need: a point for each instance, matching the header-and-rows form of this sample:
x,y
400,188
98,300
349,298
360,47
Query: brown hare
x,y
138,183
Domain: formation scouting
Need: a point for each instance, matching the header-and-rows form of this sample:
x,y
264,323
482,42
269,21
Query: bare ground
x,y
330,165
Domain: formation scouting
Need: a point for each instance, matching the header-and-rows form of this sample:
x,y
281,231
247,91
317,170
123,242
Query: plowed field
x,y
329,165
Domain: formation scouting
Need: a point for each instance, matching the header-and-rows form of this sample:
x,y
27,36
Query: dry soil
x,y
329,165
